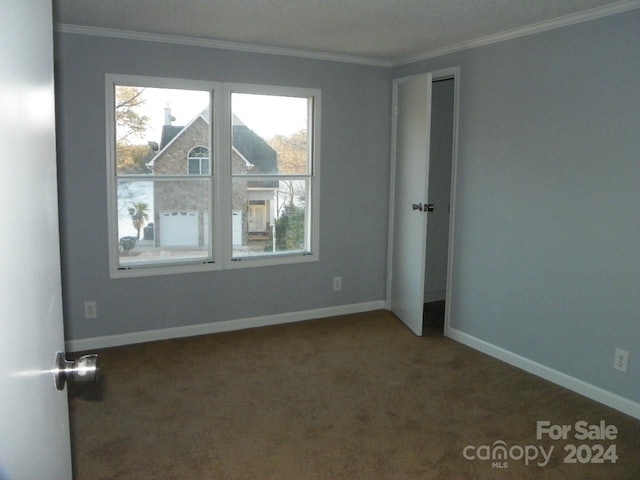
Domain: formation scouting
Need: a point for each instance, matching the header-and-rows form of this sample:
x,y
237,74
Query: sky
x,y
267,115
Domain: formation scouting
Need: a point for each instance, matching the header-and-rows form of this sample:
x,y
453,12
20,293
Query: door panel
x,y
257,218
412,122
34,423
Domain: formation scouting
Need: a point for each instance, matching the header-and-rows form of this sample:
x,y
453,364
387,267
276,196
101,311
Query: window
x,y
198,161
206,175
273,184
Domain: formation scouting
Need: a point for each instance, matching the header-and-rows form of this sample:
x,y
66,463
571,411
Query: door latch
x,y
427,207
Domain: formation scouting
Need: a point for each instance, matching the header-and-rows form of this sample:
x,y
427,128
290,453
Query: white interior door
x,y
34,423
411,136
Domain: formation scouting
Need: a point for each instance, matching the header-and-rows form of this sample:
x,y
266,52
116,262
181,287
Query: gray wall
x,y
547,247
354,190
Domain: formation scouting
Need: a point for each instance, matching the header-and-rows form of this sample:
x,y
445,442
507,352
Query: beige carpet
x,y
352,397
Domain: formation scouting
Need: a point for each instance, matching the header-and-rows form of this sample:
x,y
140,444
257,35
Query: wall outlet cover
x,y
621,360
90,309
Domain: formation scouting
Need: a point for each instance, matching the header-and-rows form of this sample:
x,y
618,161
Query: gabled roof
x,y
253,147
169,132
248,144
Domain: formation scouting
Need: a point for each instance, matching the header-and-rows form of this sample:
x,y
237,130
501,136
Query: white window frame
x,y
312,213
221,218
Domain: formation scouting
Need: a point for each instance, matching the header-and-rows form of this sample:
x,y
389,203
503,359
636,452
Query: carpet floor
x,y
351,397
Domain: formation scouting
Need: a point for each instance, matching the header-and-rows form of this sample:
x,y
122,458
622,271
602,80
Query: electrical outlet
x,y
90,309
621,360
337,284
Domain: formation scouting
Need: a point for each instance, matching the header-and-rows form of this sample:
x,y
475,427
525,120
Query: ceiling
x,y
390,31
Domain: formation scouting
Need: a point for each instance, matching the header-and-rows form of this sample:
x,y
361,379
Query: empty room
x,y
312,240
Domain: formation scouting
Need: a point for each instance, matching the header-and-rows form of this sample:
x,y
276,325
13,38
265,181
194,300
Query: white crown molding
x,y
612,9
559,22
219,44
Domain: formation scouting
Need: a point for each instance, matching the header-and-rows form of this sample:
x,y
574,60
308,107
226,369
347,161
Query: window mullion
x,y
222,128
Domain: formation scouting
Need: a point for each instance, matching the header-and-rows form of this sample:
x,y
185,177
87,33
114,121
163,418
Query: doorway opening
x,y
422,194
439,192
433,317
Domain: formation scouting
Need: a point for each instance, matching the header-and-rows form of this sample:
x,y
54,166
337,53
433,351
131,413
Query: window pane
x,y
194,166
162,221
270,135
157,128
269,216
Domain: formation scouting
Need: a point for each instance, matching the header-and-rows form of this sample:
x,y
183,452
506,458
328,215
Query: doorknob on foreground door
x,y
416,206
84,369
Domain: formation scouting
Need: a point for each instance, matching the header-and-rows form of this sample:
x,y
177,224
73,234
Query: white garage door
x,y
178,229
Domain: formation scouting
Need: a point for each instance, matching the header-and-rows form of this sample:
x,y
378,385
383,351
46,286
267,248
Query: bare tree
x,y
130,123
128,119
293,159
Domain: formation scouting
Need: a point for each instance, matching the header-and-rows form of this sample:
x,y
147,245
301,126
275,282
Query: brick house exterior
x,y
180,205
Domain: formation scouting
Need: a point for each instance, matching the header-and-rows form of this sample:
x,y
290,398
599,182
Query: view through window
x,y
162,209
271,169
179,199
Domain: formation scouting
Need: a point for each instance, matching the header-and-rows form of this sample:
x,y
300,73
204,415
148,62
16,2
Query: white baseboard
x,y
588,390
217,327
598,394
